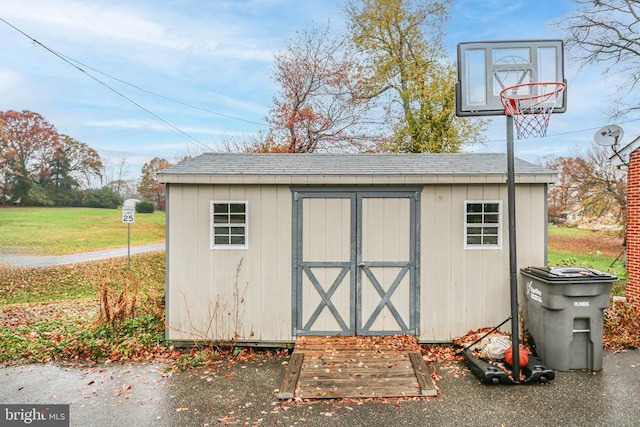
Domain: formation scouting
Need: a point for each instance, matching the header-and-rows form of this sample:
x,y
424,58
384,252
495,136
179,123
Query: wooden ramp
x,y
339,367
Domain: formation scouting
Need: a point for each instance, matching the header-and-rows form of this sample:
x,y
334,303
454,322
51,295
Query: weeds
x,y
140,337
622,325
123,320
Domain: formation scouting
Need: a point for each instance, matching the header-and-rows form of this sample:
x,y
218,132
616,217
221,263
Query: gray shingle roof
x,y
210,166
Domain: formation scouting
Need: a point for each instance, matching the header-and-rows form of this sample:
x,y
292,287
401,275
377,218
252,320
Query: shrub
x,y
104,197
145,207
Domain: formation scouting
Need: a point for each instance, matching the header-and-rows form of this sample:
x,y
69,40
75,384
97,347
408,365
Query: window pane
x,y
493,231
474,240
239,231
218,231
220,207
474,231
490,240
491,207
237,208
491,218
237,219
221,240
474,207
221,219
474,219
237,240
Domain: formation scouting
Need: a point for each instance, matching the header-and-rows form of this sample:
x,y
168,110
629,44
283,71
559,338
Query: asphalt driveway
x,y
244,393
50,260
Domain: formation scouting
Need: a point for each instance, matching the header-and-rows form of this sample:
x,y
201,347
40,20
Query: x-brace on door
x,y
355,261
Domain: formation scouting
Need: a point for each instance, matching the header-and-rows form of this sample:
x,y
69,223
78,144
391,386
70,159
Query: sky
x,y
146,78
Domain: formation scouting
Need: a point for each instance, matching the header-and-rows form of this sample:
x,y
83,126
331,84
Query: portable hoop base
x,y
491,374
531,105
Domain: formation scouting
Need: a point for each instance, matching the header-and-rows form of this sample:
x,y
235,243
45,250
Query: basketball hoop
x,y
531,105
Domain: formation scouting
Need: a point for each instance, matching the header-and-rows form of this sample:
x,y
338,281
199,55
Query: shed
x,y
263,248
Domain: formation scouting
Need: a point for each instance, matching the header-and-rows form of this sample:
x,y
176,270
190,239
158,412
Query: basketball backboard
x,y
486,68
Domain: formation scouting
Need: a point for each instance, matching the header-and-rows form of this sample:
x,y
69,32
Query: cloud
x,y
113,29
102,21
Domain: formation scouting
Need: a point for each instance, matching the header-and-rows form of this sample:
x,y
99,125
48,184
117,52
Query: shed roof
x,y
352,169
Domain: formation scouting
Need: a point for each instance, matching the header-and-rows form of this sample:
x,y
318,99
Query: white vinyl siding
x,y
483,224
229,224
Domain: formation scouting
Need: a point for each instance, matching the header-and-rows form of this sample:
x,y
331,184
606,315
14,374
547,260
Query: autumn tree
x,y
315,106
85,164
149,187
588,187
607,32
405,67
28,145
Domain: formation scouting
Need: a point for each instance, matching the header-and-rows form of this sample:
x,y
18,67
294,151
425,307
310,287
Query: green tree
x,y
403,59
149,187
61,186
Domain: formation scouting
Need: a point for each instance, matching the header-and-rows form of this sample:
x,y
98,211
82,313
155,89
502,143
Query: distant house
x,y
262,248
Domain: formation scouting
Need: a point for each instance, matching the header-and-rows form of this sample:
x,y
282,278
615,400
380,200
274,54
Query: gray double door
x,y
355,261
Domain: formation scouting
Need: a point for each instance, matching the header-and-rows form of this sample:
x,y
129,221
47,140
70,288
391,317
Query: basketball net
x,y
531,105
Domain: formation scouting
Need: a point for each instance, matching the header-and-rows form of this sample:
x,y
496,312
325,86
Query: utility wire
x,y
91,76
567,132
195,107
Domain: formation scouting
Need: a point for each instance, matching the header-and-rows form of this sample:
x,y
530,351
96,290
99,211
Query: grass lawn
x,y
600,250
58,231
575,232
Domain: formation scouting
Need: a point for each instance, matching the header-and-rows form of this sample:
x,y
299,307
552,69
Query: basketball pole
x,y
513,259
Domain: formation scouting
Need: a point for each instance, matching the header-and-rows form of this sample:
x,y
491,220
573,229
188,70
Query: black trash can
x,y
565,314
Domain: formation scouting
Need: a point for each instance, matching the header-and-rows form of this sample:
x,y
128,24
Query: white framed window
x,y
483,224
229,224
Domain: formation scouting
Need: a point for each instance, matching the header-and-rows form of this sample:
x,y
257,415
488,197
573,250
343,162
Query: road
x,y
51,260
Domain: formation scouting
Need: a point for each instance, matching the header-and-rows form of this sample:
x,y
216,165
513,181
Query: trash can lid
x,y
568,273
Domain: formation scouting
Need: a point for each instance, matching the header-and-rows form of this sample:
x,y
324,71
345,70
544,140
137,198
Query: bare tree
x,y
315,107
115,175
607,32
589,187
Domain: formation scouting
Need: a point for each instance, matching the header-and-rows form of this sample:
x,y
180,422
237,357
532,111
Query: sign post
x,y
128,217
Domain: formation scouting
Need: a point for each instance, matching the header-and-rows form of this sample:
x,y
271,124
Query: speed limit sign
x,y
128,214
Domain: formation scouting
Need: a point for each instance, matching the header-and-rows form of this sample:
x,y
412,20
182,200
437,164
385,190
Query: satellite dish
x,y
609,136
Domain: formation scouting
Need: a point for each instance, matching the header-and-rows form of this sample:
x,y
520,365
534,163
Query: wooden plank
x,y
355,367
358,392
427,387
363,364
409,373
290,381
